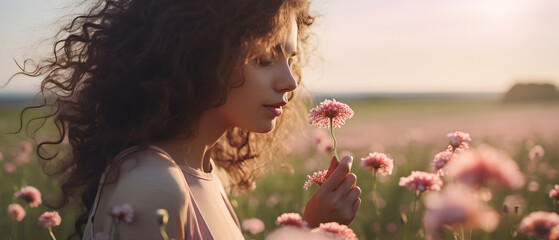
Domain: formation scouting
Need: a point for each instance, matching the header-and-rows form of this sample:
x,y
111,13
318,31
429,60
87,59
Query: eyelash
x,y
266,63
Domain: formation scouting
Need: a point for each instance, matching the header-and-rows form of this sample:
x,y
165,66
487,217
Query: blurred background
x,y
412,71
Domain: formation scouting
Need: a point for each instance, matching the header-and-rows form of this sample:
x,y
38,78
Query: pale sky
x,y
376,45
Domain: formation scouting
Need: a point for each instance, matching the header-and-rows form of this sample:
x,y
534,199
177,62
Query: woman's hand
x,y
337,199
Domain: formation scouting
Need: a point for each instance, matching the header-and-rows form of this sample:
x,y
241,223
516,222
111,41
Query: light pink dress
x,y
209,214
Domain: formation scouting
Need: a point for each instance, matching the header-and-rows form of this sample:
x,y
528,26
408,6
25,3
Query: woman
x,y
156,96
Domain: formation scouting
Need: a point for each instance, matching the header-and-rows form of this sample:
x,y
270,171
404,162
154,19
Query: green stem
x,y
51,234
414,208
375,203
408,223
335,143
163,232
462,232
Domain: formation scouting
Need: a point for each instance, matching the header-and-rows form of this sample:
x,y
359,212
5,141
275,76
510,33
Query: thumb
x,y
333,165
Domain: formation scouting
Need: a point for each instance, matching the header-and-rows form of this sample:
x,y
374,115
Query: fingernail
x,y
350,161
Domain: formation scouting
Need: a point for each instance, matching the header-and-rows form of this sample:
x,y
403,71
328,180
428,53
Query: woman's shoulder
x,y
148,176
147,182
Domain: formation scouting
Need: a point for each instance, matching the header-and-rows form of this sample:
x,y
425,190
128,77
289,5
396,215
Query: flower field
x,y
513,162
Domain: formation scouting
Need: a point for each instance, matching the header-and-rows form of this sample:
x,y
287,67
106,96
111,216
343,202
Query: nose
x,y
286,82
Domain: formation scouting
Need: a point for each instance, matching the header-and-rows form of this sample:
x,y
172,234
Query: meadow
x,y
410,131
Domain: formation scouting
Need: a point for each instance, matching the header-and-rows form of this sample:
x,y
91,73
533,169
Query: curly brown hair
x,y
132,72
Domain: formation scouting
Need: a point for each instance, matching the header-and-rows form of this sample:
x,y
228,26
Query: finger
x,y
356,205
339,173
333,165
347,184
353,194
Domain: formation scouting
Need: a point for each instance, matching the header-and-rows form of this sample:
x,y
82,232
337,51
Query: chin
x,y
263,127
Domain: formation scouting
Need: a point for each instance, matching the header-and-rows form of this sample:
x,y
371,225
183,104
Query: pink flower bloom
x,y
22,158
421,181
441,160
336,229
273,200
29,194
9,167
456,206
101,236
536,153
25,147
291,219
50,219
317,178
514,204
16,212
290,232
325,146
378,162
554,193
484,166
543,225
253,225
339,112
123,212
459,140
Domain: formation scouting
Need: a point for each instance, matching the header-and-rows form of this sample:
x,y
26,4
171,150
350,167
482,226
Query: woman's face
x,y
256,104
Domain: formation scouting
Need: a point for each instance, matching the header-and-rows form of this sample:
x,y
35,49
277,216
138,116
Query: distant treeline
x,y
531,92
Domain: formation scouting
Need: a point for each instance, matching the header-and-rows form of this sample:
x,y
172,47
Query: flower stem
x,y
375,203
163,232
51,234
335,143
413,210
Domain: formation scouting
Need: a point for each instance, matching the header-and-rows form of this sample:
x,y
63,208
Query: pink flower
x,y
336,229
543,225
378,162
441,159
16,212
290,232
22,158
325,146
25,147
536,153
421,181
322,141
456,206
273,200
554,193
101,236
253,225
317,178
50,219
9,167
291,219
29,194
123,212
339,112
459,140
479,168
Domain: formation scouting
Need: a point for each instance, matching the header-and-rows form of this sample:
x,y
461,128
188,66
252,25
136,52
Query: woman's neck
x,y
194,150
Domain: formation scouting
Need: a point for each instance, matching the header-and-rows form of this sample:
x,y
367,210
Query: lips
x,y
276,108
